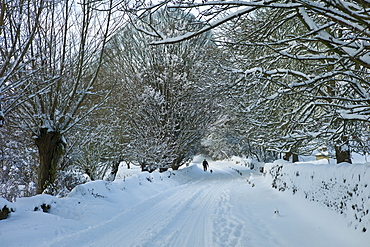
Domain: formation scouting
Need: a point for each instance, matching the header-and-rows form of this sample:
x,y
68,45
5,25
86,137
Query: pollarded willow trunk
x,y
175,167
286,156
177,162
342,151
114,169
290,154
342,154
51,148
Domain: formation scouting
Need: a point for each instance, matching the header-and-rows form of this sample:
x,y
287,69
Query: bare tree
x,y
19,23
315,51
303,111
165,91
67,53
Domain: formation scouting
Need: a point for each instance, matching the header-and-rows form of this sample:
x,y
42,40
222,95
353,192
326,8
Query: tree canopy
x,y
86,85
303,67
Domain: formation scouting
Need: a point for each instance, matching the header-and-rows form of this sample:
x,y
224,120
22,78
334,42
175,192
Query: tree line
x,y
86,85
300,68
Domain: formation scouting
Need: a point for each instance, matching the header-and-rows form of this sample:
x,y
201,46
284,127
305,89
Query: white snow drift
x,y
232,206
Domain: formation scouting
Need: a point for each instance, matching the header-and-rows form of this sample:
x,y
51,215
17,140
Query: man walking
x,y
205,165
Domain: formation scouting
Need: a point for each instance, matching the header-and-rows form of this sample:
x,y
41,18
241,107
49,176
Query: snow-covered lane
x,y
181,216
219,209
185,208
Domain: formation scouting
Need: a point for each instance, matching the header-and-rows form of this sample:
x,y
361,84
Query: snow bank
x,y
5,208
36,203
133,189
247,162
87,205
100,194
344,188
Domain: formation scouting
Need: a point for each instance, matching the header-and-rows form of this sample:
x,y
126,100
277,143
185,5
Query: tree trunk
x,y
295,158
51,149
177,162
287,155
144,166
342,152
175,167
115,166
342,155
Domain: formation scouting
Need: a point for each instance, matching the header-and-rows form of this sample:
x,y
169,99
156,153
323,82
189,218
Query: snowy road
x,y
187,208
219,209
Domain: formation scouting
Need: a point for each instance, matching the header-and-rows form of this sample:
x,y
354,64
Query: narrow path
x,y
218,209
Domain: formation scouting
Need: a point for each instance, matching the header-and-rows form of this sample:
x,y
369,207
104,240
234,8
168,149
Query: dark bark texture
x,y
51,149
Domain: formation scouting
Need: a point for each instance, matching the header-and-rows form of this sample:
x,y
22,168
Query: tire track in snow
x,y
203,220
210,210
182,216
193,223
130,225
170,229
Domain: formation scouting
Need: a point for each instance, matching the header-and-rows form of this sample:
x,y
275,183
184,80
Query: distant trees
x,y
97,143
165,91
311,86
303,66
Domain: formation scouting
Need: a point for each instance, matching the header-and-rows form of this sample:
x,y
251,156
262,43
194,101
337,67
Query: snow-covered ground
x,y
233,206
343,188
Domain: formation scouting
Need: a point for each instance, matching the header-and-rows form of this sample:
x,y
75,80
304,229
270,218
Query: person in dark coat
x,y
205,165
